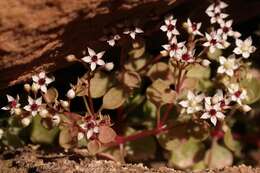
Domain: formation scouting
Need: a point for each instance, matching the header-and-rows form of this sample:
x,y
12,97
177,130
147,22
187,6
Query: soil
x,y
38,161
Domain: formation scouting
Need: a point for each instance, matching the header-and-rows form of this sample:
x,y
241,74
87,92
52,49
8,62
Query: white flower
x,y
173,47
113,40
213,111
94,59
226,30
237,94
34,105
13,104
244,48
71,94
170,27
219,98
214,12
227,65
185,55
213,42
42,80
193,27
217,5
193,103
133,33
1,133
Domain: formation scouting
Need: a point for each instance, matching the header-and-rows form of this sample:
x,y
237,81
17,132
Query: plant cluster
x,y
184,99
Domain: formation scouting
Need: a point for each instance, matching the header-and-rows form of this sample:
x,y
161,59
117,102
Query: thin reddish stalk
x,y
145,133
166,113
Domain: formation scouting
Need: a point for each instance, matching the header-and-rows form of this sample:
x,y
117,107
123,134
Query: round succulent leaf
x,y
51,95
159,70
184,152
94,147
114,98
65,138
138,50
160,93
99,84
218,157
131,79
42,135
252,87
231,143
198,71
106,134
136,64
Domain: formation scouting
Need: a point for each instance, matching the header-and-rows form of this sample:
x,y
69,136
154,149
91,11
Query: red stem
x,y
166,113
145,133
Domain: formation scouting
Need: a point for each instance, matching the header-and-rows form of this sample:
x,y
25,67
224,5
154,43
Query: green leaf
x,y
138,50
136,64
41,135
231,143
160,93
99,84
114,98
183,153
252,87
199,72
159,70
218,157
65,138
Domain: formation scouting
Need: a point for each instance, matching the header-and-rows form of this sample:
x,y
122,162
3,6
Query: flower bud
x,y
80,136
71,94
44,113
27,87
35,87
56,120
246,108
71,58
109,66
1,133
205,63
64,104
17,111
26,121
164,53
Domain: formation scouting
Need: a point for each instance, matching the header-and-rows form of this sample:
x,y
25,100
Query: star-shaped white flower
x,y
193,27
227,65
244,48
215,14
217,5
193,103
220,99
237,94
113,40
173,47
91,129
13,104
213,42
185,55
170,27
133,33
212,111
34,106
94,59
226,29
42,81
